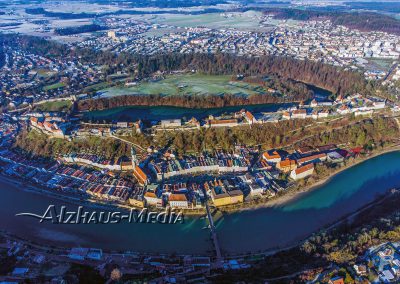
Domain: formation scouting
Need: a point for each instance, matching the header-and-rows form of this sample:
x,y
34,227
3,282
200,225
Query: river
x,y
156,113
252,230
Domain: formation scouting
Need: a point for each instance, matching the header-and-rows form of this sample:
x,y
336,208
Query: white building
x,y
178,201
299,113
256,189
151,198
302,172
170,123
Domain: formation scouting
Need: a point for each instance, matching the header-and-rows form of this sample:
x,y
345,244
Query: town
x,y
269,129
158,175
27,77
318,40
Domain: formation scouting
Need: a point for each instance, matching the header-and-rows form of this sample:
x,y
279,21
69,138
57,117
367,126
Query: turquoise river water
x,y
247,231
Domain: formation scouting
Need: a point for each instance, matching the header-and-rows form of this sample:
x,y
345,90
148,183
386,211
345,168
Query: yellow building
x,y
136,202
221,197
286,165
222,200
236,196
126,166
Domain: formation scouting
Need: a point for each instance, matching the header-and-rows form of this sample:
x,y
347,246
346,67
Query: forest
x,y
35,144
188,101
79,29
364,21
365,133
2,57
161,4
61,15
384,6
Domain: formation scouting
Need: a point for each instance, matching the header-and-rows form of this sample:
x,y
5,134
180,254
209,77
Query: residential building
x,y
336,280
140,176
178,200
272,156
299,113
152,198
171,123
312,159
286,165
250,118
302,172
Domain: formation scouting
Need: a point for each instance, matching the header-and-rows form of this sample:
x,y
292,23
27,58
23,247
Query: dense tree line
x,y
36,144
175,3
61,15
79,29
286,87
392,7
188,101
144,3
364,21
365,133
2,57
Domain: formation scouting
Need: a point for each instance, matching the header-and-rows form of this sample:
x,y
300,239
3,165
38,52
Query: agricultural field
x,y
188,84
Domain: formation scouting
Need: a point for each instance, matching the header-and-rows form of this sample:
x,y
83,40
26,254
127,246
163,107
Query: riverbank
x,y
76,200
292,195
264,230
277,201
64,249
348,217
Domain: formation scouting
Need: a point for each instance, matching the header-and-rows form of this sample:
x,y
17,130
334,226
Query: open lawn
x,y
54,106
188,84
53,86
45,73
95,87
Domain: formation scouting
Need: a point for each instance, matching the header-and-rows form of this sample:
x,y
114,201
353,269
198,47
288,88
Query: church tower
x,y
134,157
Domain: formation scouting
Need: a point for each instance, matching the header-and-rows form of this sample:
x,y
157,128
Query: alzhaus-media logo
x,y
81,216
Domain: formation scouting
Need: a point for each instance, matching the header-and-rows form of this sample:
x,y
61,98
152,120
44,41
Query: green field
x,y
382,64
44,73
188,84
54,106
247,20
53,86
95,87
